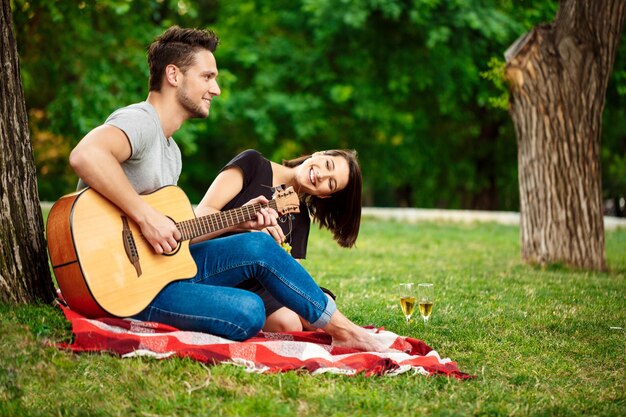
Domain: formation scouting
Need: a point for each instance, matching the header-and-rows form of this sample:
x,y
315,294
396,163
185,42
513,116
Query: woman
x,y
329,184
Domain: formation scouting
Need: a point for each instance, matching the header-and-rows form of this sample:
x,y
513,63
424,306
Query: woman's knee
x,y
283,320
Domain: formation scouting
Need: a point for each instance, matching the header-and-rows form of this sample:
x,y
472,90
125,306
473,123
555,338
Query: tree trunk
x,y
24,273
557,77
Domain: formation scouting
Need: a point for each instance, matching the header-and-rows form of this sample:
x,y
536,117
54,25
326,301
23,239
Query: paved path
x,y
463,216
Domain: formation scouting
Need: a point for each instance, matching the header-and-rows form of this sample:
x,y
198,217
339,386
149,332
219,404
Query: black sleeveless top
x,y
257,180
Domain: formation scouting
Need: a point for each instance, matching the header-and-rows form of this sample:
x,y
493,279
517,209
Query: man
x,y
133,153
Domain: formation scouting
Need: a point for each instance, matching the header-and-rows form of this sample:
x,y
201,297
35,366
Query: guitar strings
x,y
285,218
289,218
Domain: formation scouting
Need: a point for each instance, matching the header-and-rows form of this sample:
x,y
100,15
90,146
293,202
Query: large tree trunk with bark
x,y
24,273
558,75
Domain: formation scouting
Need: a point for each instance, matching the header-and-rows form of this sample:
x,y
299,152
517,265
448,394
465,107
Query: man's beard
x,y
195,110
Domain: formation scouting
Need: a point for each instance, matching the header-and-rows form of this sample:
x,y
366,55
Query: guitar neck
x,y
221,220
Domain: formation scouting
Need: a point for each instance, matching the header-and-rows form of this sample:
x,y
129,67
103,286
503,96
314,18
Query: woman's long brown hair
x,y
341,212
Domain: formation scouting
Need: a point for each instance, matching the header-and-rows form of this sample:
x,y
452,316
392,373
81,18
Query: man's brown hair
x,y
177,46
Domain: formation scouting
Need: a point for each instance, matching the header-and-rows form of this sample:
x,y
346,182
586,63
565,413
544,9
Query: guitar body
x,y
94,267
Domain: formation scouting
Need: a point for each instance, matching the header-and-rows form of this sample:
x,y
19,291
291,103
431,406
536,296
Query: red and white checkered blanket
x,y
266,352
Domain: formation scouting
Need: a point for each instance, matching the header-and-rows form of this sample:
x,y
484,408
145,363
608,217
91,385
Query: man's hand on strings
x,y
160,231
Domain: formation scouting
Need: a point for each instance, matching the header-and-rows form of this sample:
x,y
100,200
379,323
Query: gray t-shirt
x,y
155,160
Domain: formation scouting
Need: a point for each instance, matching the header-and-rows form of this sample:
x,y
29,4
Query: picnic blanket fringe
x,y
264,353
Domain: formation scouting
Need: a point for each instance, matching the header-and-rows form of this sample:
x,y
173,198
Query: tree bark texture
x,y
24,272
557,76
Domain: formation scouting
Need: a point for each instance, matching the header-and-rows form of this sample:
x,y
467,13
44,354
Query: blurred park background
x,y
415,86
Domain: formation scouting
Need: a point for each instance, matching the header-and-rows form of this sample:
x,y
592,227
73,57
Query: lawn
x,y
541,341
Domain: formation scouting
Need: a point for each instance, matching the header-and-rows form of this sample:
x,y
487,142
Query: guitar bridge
x,y
129,246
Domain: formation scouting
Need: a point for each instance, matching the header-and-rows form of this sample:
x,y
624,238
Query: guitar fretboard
x,y
210,223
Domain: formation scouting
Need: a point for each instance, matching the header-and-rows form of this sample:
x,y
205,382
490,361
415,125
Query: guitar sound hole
x,y
174,251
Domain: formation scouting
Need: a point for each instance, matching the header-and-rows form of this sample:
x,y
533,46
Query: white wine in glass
x,y
426,298
407,300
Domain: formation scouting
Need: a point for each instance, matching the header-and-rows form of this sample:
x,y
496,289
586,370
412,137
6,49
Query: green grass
x,y
539,340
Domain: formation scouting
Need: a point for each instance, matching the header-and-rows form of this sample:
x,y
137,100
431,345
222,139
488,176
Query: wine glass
x,y
425,299
407,299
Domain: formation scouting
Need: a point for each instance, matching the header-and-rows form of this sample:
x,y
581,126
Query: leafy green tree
x,y
398,81
613,146
408,83
80,61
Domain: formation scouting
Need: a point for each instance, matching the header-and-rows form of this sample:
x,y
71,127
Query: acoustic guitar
x,y
103,264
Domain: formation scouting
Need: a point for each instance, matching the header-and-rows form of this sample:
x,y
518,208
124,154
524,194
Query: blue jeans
x,y
209,303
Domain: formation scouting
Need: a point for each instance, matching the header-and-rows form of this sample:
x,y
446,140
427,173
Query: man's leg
x,y
230,260
228,312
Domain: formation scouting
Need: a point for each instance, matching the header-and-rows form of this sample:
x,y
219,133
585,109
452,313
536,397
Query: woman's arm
x,y
224,188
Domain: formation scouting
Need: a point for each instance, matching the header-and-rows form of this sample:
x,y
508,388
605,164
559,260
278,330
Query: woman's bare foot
x,y
347,334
